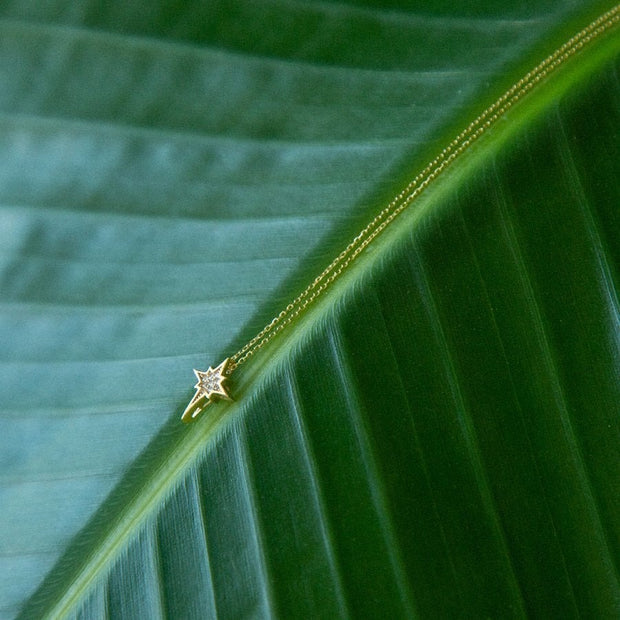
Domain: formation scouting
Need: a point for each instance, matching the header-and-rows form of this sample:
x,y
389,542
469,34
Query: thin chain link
x,y
402,200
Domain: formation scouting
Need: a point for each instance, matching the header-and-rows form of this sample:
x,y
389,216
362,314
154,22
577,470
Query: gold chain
x,y
400,202
211,385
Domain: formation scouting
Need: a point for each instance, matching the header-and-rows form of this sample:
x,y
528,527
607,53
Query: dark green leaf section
x,y
348,34
446,443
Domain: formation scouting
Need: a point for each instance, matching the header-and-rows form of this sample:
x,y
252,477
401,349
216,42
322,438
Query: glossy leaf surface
x,y
439,421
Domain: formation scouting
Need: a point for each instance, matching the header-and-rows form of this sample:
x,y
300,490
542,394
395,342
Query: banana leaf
x,y
438,436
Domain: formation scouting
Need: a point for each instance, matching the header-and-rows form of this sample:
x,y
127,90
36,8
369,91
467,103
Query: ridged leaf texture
x,y
438,437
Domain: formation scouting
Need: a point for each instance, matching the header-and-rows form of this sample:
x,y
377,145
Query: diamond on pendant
x,y
211,382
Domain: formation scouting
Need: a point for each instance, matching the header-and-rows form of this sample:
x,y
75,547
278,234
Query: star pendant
x,y
210,387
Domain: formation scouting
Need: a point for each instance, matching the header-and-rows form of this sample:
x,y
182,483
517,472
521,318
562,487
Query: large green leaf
x,y
439,437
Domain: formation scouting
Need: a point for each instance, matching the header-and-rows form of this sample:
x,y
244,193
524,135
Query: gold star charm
x,y
210,387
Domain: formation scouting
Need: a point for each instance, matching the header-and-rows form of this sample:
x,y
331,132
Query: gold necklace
x,y
211,385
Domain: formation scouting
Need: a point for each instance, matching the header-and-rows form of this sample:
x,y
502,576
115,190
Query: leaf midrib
x,y
183,452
